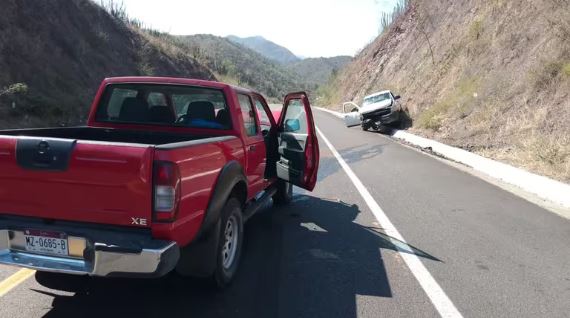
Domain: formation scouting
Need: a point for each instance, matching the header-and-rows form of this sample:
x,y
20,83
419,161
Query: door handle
x,y
252,148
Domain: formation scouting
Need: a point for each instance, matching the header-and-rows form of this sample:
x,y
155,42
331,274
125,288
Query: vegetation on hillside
x,y
317,71
312,72
488,76
266,48
387,18
239,65
53,55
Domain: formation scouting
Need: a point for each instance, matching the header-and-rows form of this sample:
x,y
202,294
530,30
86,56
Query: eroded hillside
x,y
491,76
53,54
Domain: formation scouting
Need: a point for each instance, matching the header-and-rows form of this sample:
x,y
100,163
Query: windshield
x,y
376,99
168,105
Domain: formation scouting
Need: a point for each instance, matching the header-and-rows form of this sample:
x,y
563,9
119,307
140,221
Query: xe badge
x,y
138,221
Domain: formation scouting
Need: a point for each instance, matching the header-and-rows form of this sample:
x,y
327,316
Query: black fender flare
x,y
230,175
199,257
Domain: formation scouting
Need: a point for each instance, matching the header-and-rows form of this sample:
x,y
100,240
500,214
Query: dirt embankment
x,y
490,76
53,54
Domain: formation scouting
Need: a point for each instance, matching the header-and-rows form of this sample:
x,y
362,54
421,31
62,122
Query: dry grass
x,y
547,74
546,153
454,104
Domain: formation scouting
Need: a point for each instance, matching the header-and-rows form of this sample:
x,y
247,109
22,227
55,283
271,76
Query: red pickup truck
x,y
162,178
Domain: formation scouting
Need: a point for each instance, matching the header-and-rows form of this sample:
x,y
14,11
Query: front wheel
x,y
230,243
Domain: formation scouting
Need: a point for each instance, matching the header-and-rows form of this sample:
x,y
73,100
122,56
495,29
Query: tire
x,y
365,127
230,243
284,194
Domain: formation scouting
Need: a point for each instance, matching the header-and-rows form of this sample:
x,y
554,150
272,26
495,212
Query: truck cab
x,y
377,109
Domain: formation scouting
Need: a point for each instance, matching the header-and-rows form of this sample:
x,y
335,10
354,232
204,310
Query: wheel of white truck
x,y
230,243
284,194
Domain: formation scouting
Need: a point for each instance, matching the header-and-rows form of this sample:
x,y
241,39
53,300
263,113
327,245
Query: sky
x,y
309,28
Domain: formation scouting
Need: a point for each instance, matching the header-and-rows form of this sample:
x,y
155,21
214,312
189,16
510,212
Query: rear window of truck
x,y
168,105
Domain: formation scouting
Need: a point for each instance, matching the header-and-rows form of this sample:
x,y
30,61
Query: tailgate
x,y
76,180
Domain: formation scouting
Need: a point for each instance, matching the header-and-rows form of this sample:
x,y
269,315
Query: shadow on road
x,y
328,164
309,259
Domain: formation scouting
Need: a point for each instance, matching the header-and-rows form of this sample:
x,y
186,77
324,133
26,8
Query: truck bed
x,y
105,135
89,174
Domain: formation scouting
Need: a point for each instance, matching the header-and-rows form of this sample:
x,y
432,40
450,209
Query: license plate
x,y
46,242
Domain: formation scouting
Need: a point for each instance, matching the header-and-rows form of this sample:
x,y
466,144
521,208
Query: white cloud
x,y
306,27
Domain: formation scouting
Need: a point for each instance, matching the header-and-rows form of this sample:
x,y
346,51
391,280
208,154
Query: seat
x,y
134,110
201,110
161,114
223,117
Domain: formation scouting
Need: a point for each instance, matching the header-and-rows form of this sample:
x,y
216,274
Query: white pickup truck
x,y
378,109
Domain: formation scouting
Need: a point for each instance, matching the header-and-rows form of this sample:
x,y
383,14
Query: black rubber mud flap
x,y
199,258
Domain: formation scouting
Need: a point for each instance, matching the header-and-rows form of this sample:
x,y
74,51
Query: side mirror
x,y
265,132
292,125
396,97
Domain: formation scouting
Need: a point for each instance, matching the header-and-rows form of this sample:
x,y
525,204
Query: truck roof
x,y
376,94
173,80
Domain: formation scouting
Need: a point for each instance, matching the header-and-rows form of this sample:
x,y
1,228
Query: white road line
x,y
439,299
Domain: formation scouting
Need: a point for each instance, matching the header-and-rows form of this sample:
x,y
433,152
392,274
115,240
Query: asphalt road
x,y
491,253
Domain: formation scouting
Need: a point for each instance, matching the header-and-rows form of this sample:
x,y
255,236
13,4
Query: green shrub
x,y
430,119
566,69
17,88
387,18
476,29
546,75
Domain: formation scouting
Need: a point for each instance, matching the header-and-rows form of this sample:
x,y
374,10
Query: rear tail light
x,y
166,191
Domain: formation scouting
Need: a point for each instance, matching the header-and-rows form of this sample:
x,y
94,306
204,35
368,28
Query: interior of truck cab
x,y
168,105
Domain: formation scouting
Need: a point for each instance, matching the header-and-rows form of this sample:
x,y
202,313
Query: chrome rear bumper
x,y
155,259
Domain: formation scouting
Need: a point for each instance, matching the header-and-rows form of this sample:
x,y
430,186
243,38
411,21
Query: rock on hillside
x,y
60,50
489,76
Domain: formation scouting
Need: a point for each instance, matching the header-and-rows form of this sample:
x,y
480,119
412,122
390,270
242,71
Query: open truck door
x,y
298,161
351,114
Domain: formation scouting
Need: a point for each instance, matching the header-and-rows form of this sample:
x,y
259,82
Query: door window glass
x,y
156,99
296,118
116,101
264,121
247,114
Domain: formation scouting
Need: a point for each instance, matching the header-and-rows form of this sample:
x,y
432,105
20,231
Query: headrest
x,y
201,110
223,117
161,114
134,109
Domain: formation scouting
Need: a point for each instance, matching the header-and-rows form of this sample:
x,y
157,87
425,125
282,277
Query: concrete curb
x,y
543,187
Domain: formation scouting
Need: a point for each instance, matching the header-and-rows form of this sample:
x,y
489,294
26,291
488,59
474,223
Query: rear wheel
x,y
284,194
230,243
